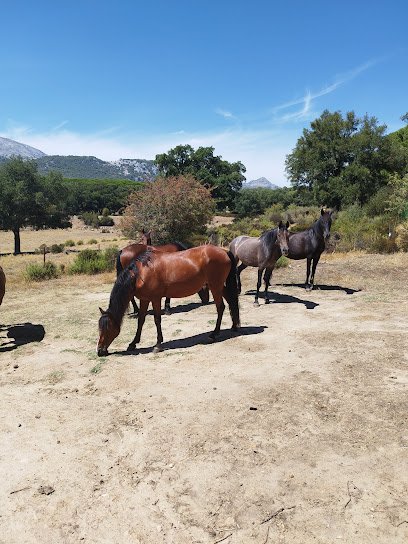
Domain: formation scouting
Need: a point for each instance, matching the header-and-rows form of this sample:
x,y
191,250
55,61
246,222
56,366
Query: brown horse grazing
x,y
2,284
132,251
310,244
154,275
262,253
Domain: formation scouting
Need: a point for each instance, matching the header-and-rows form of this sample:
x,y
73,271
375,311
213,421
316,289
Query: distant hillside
x,y
260,182
73,166
10,148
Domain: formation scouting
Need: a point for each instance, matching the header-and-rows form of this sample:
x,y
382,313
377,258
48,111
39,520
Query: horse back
x,y
246,249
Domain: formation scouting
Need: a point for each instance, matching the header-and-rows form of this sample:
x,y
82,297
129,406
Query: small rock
x,y
46,490
15,366
253,408
37,416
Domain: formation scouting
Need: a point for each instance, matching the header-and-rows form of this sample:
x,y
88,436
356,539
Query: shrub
x,y
69,243
91,219
80,243
92,241
105,221
57,248
41,272
105,212
282,262
402,236
93,261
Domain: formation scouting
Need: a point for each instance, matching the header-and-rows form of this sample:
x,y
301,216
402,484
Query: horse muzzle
x,y
285,252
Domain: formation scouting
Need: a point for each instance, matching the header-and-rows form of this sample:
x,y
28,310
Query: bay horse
x,y
261,253
132,251
309,244
155,274
2,284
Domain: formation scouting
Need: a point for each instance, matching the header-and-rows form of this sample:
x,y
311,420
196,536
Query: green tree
x,y
339,161
29,199
173,208
254,202
222,177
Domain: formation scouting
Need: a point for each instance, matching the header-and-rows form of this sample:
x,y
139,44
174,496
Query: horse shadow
x,y
347,290
19,335
181,308
196,339
278,298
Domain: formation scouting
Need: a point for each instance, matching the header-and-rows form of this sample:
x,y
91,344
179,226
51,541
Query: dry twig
x,y
223,538
276,513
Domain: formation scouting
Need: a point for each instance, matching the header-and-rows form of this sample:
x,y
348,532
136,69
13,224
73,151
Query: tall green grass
x,y
93,261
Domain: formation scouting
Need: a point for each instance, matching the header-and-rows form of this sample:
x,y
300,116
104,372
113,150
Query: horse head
x,y
282,237
325,222
108,331
146,238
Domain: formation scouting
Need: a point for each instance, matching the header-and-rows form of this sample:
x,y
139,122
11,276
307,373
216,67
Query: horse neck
x,y
318,228
269,243
121,295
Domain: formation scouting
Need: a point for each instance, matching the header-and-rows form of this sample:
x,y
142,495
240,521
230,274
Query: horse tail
x,y
231,292
119,266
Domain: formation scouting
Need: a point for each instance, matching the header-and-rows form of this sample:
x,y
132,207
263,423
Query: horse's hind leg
x,y
204,294
240,268
220,310
157,320
167,309
144,304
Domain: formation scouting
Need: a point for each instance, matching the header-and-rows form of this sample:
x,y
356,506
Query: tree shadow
x,y
195,340
277,298
19,335
347,290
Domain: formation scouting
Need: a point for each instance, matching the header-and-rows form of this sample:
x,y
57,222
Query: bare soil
x,y
293,431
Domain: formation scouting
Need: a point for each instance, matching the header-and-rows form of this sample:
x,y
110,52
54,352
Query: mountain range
x,y
84,167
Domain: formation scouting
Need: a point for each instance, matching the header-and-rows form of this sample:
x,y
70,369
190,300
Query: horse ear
x,y
322,211
280,225
143,231
102,312
287,224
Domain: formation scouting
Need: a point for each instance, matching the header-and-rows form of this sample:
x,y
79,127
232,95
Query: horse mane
x,y
267,240
180,245
119,297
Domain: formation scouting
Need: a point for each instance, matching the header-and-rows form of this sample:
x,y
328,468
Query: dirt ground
x,y
293,431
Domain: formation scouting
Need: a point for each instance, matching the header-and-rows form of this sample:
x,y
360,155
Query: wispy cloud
x,y
307,100
224,113
59,126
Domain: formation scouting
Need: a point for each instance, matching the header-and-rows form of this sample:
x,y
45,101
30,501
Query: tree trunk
x,y
17,247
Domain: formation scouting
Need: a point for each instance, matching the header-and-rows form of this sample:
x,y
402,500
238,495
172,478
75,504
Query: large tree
x,y
342,160
29,199
173,208
222,177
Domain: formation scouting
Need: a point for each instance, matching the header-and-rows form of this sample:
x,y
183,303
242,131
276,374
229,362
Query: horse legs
x,y
204,294
240,268
220,310
258,286
267,277
307,285
167,309
134,304
314,265
144,304
157,320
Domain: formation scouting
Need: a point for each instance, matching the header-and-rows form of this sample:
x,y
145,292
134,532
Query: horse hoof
x,y
256,303
131,347
157,349
309,287
167,311
267,301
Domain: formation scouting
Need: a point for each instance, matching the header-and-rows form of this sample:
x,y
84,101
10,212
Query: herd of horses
x,y
151,273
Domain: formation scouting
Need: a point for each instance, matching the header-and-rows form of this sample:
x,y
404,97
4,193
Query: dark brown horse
x,y
2,284
262,253
154,275
310,243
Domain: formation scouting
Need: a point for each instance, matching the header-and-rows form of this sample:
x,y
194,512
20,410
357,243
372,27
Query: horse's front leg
x,y
314,265
307,285
135,308
258,286
267,278
220,311
167,309
144,304
157,320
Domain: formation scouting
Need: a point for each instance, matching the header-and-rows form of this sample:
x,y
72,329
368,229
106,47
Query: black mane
x,y
268,240
122,290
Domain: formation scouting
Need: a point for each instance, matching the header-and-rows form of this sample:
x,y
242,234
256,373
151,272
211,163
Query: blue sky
x,y
130,79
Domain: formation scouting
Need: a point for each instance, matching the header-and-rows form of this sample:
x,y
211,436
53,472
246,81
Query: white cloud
x,y
224,113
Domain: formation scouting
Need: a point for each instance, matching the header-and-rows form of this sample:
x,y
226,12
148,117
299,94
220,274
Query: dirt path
x,y
295,431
